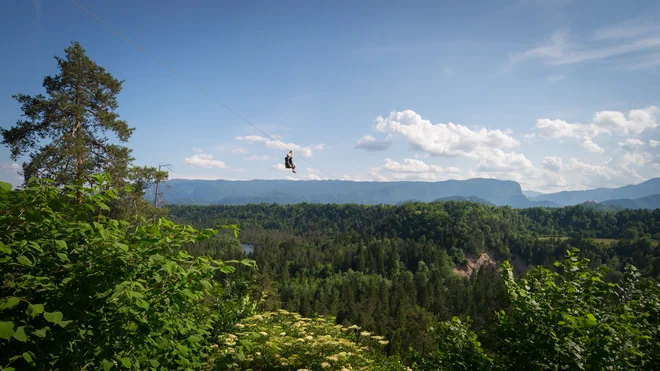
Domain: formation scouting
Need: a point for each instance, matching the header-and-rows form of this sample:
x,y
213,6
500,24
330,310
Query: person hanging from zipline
x,y
288,162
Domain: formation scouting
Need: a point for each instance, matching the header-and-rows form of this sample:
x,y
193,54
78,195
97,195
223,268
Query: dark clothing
x,y
288,162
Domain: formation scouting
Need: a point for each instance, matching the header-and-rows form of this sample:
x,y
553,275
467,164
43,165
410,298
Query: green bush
x,y
574,319
458,349
81,291
287,341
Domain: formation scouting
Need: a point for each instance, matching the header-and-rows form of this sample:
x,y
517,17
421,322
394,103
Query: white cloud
x,y
10,167
529,138
308,174
176,175
616,122
654,143
305,151
449,71
481,145
205,161
630,29
259,158
9,173
603,122
588,175
500,161
444,139
198,150
559,50
413,169
370,143
553,163
410,165
620,169
356,178
251,138
240,151
631,144
556,78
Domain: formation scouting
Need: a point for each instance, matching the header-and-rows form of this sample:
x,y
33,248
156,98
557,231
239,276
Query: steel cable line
x,y
193,84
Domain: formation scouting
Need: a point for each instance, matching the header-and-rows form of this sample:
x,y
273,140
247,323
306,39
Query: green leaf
x,y
227,269
34,310
20,334
27,357
5,187
53,317
591,320
205,283
121,246
6,330
126,362
154,362
36,246
24,260
63,257
4,248
107,365
66,280
241,355
194,339
61,244
63,324
9,303
142,303
41,332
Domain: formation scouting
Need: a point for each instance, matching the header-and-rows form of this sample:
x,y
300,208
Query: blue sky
x,y
555,94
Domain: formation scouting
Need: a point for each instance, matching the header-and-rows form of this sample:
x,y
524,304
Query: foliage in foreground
x,y
572,319
457,349
81,291
287,341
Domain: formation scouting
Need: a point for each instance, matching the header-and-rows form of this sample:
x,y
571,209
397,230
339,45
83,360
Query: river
x,y
247,247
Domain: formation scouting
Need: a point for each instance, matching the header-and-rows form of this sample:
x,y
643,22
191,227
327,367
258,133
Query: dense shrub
x,y
81,291
287,341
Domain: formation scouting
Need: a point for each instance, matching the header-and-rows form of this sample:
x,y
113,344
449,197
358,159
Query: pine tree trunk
x,y
79,164
156,199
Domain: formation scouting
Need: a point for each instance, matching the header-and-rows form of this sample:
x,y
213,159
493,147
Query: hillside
x,y
632,191
648,202
463,198
225,192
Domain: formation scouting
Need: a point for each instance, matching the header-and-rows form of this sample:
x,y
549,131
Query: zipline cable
x,y
193,84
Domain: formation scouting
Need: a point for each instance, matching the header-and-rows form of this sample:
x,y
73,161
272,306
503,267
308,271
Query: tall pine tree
x,y
73,121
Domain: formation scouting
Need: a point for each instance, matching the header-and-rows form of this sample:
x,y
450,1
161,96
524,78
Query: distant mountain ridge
x,y
229,192
464,198
648,202
487,191
632,191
